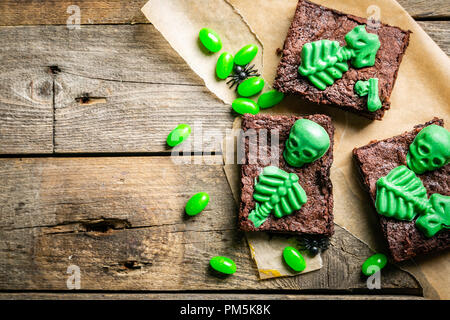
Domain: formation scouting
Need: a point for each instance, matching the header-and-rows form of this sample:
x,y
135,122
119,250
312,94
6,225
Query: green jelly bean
x,y
270,98
246,54
294,259
224,65
197,203
244,105
210,39
374,264
223,265
250,86
178,135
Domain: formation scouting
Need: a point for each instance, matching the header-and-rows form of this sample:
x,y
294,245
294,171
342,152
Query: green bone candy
x,y
401,195
210,39
178,135
223,264
250,86
437,217
324,61
224,65
294,259
277,191
373,264
430,149
197,203
246,54
244,105
270,98
370,88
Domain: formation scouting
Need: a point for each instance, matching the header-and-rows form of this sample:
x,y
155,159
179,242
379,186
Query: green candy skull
x,y
308,141
430,149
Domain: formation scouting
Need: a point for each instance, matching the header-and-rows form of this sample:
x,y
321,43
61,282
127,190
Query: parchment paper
x,y
420,93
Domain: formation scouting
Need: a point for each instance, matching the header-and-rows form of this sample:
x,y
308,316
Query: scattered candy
x,y
223,264
246,54
250,86
270,98
224,65
178,135
378,260
241,73
197,203
294,259
244,105
210,39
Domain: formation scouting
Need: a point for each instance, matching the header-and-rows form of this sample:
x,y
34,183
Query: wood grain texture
x,y
13,13
26,103
439,31
121,221
196,296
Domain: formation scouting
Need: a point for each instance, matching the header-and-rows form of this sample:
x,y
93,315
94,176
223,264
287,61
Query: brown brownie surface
x,y
316,215
313,22
374,161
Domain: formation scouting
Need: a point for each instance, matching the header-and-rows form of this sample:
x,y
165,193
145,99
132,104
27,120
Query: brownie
x,y
316,215
376,160
313,22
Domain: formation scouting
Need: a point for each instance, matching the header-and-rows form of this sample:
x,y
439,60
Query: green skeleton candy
x,y
325,61
370,88
437,218
278,191
308,141
401,195
430,150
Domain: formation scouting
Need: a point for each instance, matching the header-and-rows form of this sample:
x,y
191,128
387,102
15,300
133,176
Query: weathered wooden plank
x,y
195,296
139,90
439,31
26,104
29,12
121,221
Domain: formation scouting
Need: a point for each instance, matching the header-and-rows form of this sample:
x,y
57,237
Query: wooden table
x,y
86,179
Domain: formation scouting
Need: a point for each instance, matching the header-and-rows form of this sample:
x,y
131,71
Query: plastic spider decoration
x,y
240,73
314,244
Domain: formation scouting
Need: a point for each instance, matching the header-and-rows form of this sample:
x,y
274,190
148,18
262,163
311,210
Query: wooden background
x,y
86,178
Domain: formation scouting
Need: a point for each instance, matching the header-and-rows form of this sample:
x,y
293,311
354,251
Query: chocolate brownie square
x,y
376,160
313,22
316,215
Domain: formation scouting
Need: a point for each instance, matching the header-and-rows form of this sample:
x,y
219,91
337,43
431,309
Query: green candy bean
x,y
294,259
224,65
210,39
270,98
178,135
250,86
374,264
197,203
223,265
244,105
246,54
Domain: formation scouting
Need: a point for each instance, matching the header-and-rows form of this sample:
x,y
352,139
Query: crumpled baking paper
x,y
420,93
